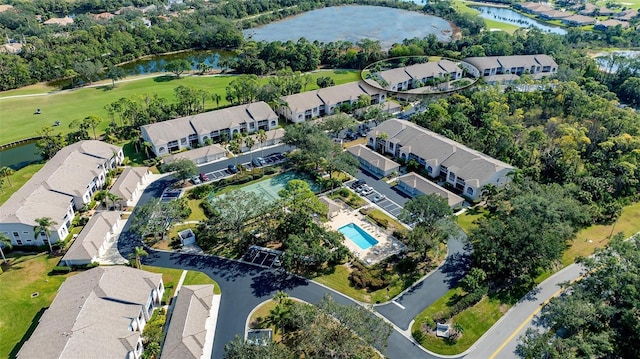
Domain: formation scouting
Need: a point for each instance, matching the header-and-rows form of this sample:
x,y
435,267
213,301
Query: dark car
x,y
357,184
259,161
232,169
204,177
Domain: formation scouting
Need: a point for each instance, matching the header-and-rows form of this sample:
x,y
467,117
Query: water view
x,y
508,16
19,156
609,63
156,63
353,23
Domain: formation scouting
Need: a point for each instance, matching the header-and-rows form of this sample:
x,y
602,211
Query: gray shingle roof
x,y
187,332
93,235
373,158
204,123
128,181
91,315
427,187
49,192
469,164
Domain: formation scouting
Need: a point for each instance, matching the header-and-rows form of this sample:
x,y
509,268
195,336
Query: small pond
x,y
156,63
609,64
353,23
20,156
508,16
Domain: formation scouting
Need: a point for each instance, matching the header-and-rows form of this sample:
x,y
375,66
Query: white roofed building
x,y
192,131
65,184
99,313
465,169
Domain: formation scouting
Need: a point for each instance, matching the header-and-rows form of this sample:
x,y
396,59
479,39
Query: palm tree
x,y
114,197
250,142
216,97
6,172
278,316
4,242
137,254
147,146
44,226
457,329
234,147
262,138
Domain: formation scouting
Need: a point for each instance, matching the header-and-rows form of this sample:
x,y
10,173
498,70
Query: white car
x,y
367,191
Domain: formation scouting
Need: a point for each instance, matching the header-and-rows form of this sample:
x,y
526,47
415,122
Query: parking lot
x,y
170,194
378,198
269,161
263,256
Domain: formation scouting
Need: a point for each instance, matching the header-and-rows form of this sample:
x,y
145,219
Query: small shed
x,y
259,336
443,330
333,207
187,237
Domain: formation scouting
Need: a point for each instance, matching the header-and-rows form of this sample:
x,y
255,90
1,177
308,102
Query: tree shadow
x,y
455,267
105,88
34,323
164,78
270,282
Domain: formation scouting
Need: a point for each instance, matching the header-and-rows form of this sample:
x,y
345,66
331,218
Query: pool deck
x,y
387,244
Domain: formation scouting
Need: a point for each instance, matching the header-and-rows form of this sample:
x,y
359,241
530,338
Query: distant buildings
x,y
304,106
60,21
464,169
65,184
534,65
197,130
99,313
418,75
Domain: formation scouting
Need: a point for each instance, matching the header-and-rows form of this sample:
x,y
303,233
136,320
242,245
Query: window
x,y
16,234
161,149
452,176
19,242
470,191
273,123
429,169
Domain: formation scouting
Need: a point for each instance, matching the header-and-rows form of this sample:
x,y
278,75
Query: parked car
x,y
232,169
367,191
377,198
363,188
357,184
204,177
259,161
195,180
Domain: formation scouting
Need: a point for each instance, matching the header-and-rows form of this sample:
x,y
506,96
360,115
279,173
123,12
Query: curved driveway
x,y
244,285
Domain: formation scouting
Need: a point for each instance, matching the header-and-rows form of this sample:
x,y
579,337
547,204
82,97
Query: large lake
x,y
352,23
508,16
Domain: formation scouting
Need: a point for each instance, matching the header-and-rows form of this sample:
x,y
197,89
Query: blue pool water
x,y
358,236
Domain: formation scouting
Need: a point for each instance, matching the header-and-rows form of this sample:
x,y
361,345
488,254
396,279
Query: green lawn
x,y
170,278
19,178
196,278
598,236
475,321
19,313
339,280
465,220
67,106
197,214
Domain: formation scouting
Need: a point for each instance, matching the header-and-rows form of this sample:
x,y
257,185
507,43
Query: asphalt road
x,y
244,286
222,164
424,293
501,340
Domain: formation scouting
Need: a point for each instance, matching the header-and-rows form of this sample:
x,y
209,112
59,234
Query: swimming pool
x,y
358,236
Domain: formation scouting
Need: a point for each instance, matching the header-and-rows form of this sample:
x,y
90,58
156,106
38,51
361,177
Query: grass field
x,y
19,313
67,106
598,236
475,321
196,278
19,178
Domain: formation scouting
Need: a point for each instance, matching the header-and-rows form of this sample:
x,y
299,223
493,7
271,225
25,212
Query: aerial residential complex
x,y
416,76
97,313
65,184
464,169
307,105
534,65
197,130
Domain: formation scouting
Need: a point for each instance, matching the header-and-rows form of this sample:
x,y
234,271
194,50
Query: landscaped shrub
x,y
367,278
200,192
60,270
269,171
467,301
208,209
401,234
407,265
343,192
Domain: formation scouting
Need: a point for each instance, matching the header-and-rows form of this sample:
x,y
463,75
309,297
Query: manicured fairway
x,y
19,120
